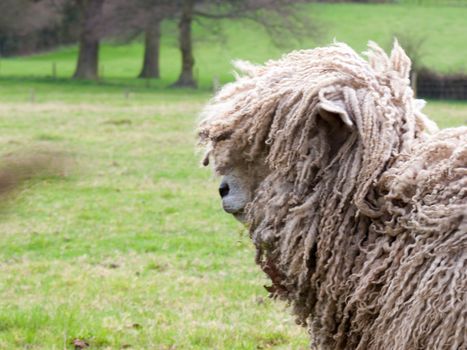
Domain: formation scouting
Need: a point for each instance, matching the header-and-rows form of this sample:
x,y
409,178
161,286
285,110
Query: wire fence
x,y
438,86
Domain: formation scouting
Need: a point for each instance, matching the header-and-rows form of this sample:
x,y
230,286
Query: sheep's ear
x,y
336,122
328,110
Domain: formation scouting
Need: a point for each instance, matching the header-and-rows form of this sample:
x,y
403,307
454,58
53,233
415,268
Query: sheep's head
x,y
243,175
284,123
238,186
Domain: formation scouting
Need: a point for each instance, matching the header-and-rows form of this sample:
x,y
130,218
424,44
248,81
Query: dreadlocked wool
x,y
361,221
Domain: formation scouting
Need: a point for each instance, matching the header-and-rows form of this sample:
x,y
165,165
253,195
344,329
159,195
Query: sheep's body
x,y
361,222
420,300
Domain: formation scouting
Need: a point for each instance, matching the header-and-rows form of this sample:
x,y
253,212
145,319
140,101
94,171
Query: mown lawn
x,y
132,250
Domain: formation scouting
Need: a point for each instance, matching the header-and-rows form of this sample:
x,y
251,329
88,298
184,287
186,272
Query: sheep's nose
x,y
224,189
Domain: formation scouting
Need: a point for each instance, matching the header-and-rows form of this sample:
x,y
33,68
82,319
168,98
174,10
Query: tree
x,y
88,56
23,23
126,20
156,11
152,35
186,78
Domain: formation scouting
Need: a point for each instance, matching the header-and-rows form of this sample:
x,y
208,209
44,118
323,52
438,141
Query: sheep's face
x,y
235,193
238,186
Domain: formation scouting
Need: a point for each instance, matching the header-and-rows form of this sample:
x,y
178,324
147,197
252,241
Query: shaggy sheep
x,y
356,204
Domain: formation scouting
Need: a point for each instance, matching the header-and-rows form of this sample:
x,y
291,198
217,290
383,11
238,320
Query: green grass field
x,y
132,249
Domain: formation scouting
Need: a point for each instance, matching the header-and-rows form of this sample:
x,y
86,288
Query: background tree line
x,y
28,26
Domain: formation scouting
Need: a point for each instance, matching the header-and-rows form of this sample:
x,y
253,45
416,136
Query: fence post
x,y
216,85
32,95
100,74
54,70
413,81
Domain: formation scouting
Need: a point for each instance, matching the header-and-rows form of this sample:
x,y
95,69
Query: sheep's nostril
x,y
224,189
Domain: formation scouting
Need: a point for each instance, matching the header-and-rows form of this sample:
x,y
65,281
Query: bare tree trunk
x,y
186,78
152,37
88,57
